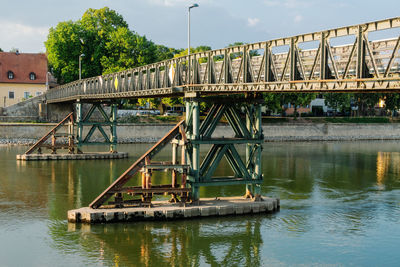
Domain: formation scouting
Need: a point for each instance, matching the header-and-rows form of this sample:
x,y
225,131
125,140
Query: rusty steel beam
x,y
116,188
52,133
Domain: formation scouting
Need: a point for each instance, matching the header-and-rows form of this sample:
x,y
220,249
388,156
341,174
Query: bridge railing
x,y
307,62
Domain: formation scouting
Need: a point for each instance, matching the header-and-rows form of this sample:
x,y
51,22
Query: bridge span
x,y
312,62
346,59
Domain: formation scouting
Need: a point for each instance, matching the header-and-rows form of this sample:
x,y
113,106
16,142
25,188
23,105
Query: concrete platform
x,y
94,155
163,210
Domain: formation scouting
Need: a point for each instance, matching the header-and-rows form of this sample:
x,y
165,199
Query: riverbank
x,y
28,133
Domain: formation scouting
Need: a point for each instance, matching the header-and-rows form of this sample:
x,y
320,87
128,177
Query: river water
x,y
340,206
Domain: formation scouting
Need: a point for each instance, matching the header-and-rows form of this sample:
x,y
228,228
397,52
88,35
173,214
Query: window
x,y
38,93
27,95
32,76
11,95
10,75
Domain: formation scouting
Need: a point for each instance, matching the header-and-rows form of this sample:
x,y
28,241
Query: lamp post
x,y
189,8
80,65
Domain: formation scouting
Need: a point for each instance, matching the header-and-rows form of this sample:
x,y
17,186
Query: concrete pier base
x,y
163,210
94,155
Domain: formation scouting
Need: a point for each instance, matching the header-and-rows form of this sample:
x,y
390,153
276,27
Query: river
x,y
340,206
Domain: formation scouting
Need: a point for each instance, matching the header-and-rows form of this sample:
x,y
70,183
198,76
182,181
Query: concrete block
x,y
85,217
187,213
255,207
195,212
178,213
270,206
205,211
263,207
246,208
109,216
213,211
163,210
120,216
74,216
225,210
238,209
169,214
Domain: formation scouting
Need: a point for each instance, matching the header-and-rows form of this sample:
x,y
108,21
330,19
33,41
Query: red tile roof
x,y
22,64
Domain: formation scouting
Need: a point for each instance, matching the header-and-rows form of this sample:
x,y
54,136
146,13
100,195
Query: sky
x,y
24,24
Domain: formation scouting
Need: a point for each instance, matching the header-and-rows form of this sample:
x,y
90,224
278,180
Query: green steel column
x,y
196,147
257,165
113,139
249,115
79,134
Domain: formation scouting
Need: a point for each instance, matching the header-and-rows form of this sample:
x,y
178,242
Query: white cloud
x,y
298,18
25,37
251,22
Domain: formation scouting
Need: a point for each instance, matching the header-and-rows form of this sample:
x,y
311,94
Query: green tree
x,y
252,53
297,99
103,36
163,53
337,101
366,102
392,102
1,50
202,48
273,102
153,102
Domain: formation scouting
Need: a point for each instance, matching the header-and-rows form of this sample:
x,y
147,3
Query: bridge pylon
x,y
86,119
244,117
243,114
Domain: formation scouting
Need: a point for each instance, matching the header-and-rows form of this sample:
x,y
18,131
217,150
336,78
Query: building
x,y
22,75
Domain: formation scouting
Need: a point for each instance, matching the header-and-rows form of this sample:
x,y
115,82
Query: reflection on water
x,y
179,243
340,204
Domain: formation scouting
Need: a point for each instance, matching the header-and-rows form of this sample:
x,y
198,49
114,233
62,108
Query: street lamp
x,y
80,65
190,7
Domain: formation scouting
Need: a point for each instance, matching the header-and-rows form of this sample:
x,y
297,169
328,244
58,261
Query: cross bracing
x,y
361,65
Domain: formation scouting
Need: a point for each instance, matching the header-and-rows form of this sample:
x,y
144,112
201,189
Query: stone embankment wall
x,y
130,133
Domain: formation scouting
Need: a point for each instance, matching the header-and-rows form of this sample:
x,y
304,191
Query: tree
x,y
163,53
1,50
153,102
273,101
392,102
297,99
337,101
252,53
366,102
103,36
202,48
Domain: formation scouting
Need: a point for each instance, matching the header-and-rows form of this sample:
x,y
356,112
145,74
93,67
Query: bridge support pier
x,y
106,120
244,117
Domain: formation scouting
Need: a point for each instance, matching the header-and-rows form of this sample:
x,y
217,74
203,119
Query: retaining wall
x,y
128,133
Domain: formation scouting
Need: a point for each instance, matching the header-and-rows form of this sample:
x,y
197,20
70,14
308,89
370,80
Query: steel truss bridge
x,y
312,62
